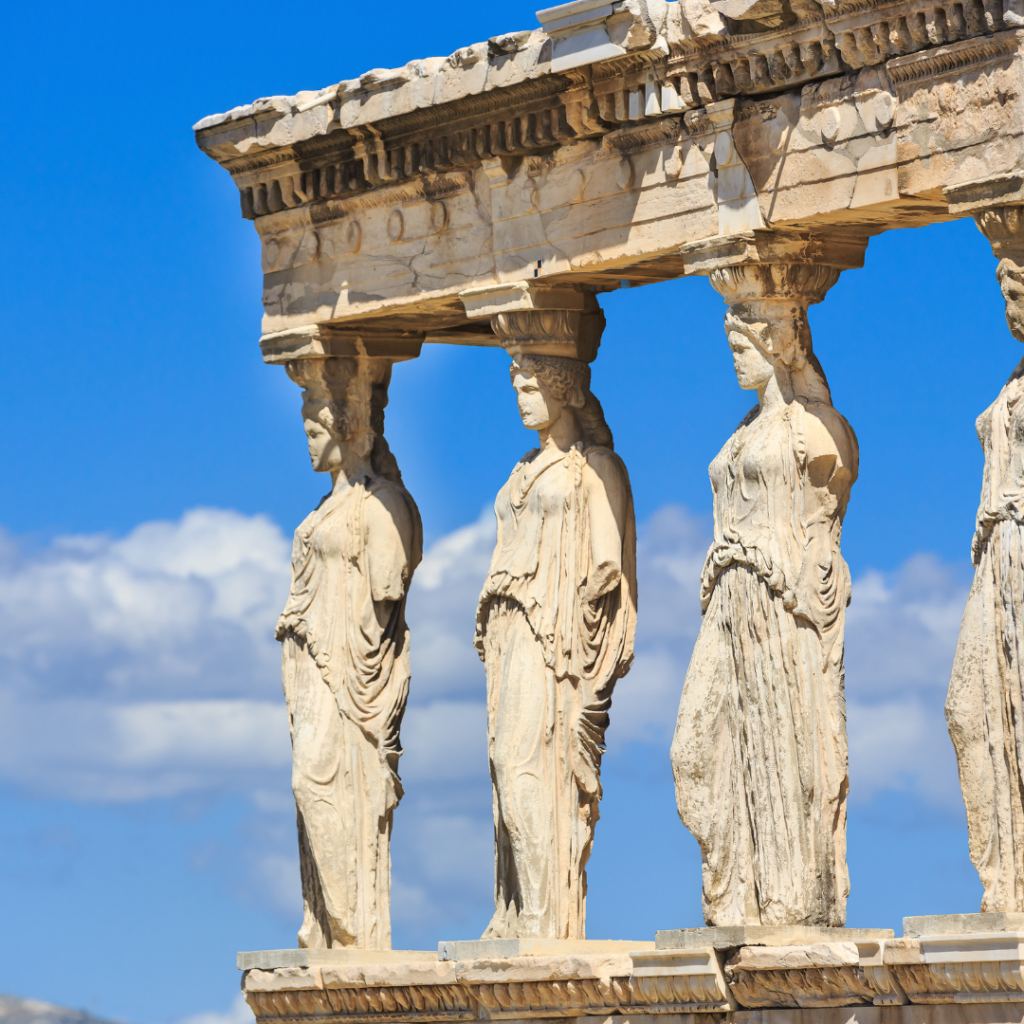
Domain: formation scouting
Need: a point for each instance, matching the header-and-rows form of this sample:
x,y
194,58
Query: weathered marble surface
x,y
391,193
345,654
732,937
487,198
759,753
985,704
938,979
555,629
496,949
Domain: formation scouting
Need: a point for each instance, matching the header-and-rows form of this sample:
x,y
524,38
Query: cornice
x,y
944,61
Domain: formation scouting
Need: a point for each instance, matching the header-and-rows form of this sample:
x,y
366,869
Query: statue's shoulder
x,y
829,417
386,490
827,431
391,498
595,453
391,494
389,506
604,461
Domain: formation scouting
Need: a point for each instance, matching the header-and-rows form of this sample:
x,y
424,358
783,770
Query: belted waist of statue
x,y
726,553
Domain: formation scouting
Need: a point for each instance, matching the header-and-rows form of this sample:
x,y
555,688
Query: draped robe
x,y
760,752
985,703
345,670
552,658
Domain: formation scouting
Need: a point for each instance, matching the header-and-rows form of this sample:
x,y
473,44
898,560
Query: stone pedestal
x,y
764,935
958,969
488,949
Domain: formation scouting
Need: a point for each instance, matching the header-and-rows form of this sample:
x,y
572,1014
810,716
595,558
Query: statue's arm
x,y
831,450
389,545
607,496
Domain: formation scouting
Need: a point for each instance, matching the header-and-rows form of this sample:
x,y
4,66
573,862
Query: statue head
x,y
767,327
343,402
551,387
750,344
1011,283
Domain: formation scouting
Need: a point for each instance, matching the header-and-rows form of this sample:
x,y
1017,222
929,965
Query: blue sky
x,y
145,823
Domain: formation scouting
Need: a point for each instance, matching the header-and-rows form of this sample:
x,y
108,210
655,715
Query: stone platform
x,y
964,969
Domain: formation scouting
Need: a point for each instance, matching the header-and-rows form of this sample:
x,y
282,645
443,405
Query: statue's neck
x,y
774,395
563,433
350,471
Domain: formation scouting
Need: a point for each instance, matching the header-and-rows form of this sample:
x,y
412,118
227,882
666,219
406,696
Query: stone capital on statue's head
x,y
540,318
1003,226
343,400
774,285
569,333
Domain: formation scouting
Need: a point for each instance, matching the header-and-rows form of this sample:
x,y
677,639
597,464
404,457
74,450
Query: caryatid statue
x,y
760,750
985,704
555,625
345,653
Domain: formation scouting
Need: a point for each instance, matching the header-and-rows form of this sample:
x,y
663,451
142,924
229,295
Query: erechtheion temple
x,y
490,198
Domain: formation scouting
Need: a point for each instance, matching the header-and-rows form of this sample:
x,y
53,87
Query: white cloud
x,y
237,1013
442,613
144,666
901,632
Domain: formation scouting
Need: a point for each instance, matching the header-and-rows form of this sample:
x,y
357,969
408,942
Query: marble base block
x,y
481,949
961,924
764,935
961,958
962,969
269,959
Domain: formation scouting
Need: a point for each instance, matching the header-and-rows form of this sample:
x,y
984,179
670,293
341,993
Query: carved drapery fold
x,y
557,614
765,683
985,703
345,653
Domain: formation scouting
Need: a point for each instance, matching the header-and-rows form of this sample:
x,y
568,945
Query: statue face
x,y
324,450
753,368
538,409
1013,293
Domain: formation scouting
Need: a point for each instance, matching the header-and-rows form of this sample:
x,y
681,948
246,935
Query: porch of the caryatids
x,y
345,650
985,703
557,615
760,750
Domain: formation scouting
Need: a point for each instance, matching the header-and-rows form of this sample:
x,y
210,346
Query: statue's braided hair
x,y
348,395
568,381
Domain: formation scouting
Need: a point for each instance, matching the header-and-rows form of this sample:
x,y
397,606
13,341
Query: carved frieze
x,y
663,981
550,104
406,187
975,968
824,974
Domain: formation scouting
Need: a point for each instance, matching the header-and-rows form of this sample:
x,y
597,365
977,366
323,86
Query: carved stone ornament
x,y
545,331
345,654
555,628
760,752
985,703
539,320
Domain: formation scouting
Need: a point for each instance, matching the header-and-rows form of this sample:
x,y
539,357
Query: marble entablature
x,y
380,199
